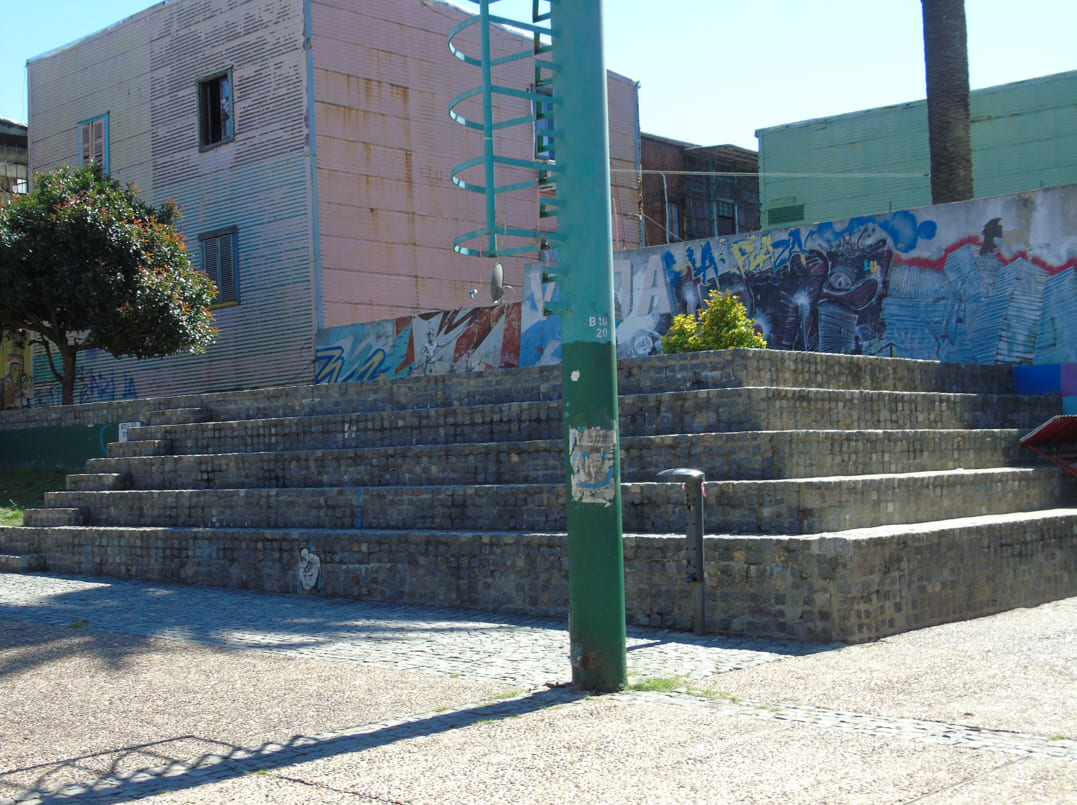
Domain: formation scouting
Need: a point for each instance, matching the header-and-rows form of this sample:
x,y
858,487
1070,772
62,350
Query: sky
x,y
711,72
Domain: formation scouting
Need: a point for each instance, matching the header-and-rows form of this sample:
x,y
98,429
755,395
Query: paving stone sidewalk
x,y
520,651
388,701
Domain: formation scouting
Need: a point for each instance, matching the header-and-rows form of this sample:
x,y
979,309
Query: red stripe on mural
x,y
940,263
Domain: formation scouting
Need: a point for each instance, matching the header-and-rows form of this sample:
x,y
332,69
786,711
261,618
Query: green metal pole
x,y
589,353
488,129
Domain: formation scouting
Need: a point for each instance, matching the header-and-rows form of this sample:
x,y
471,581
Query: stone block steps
x,y
450,490
492,446
794,506
674,412
54,516
756,455
726,369
22,563
179,416
98,481
141,447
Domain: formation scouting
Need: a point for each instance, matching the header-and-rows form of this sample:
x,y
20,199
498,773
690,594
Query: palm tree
x,y
947,68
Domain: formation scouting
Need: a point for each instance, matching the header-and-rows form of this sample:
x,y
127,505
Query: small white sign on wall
x,y
126,426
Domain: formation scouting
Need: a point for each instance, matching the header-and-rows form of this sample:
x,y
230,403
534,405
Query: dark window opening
x,y
726,218
215,118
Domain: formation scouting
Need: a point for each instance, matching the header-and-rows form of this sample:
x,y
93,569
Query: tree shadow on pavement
x,y
318,627
46,618
132,772
224,618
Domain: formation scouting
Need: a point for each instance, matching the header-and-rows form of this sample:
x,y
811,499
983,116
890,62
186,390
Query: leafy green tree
x,y
723,324
86,264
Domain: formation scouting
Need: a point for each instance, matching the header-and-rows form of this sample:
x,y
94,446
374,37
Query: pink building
x,y
309,145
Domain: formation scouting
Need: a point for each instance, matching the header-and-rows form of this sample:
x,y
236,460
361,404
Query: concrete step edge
x,y
952,524
973,474
636,440
96,481
304,534
625,400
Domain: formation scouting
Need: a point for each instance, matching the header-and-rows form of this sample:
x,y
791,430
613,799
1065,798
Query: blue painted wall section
x,y
1038,379
1068,373
1057,379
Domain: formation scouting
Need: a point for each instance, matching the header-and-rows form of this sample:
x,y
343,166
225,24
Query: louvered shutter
x,y
219,262
92,136
226,280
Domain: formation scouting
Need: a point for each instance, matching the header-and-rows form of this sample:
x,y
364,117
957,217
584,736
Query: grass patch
x,y
669,684
659,684
25,489
716,694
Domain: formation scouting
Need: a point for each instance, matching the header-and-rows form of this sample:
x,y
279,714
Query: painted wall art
x,y
990,281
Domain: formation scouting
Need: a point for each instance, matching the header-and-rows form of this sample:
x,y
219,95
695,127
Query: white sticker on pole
x,y
592,452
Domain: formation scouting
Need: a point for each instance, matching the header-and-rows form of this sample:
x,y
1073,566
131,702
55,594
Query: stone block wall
x,y
723,369
323,474
816,588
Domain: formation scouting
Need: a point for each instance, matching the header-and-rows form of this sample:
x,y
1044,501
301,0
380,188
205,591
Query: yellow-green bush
x,y
723,324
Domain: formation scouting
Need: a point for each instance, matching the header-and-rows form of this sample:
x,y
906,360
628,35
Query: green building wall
x,y
67,448
1024,137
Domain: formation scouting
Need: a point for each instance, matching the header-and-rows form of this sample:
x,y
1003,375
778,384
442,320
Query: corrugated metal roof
x,y
1055,429
1056,441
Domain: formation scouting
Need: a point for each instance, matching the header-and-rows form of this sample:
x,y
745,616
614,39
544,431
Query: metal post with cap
x,y
692,481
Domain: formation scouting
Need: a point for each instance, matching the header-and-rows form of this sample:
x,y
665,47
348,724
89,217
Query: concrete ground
x,y
119,691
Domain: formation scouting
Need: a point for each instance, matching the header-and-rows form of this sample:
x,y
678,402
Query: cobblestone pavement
x,y
520,651
784,693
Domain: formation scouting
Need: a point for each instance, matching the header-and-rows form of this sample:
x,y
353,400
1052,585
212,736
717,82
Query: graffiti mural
x,y
16,384
90,386
986,281
470,339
